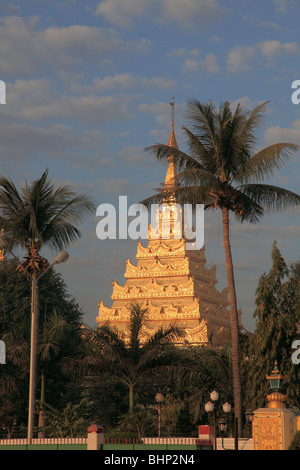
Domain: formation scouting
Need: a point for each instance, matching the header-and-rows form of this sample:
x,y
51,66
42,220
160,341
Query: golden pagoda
x,y
172,283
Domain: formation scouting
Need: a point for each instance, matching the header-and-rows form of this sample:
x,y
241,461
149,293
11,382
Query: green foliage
x,y
68,422
15,312
175,418
277,312
137,424
295,445
130,363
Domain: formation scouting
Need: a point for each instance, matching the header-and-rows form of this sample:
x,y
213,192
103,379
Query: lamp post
x,y
276,399
62,257
249,418
159,398
222,425
210,408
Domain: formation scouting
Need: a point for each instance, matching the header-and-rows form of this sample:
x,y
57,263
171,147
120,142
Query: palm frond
x,y
163,153
271,197
42,212
202,155
265,162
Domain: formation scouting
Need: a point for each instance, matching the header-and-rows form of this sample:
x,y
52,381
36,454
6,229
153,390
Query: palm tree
x,y
37,216
130,361
224,171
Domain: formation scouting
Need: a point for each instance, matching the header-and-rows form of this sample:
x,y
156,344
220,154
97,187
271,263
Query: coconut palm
x,y
39,215
131,360
223,170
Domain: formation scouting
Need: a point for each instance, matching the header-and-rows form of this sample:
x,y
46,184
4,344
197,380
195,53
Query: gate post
x,y
274,426
95,437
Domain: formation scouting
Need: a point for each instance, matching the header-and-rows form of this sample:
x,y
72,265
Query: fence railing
x,y
46,441
222,444
122,440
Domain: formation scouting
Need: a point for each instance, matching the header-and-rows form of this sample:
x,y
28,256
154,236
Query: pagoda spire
x,y
171,172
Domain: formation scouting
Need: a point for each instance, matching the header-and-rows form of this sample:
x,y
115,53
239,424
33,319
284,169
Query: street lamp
x,y
159,398
249,418
210,408
275,379
227,407
62,257
214,396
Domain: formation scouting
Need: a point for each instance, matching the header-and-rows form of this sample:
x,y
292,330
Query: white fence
x,y
170,440
221,444
227,443
53,440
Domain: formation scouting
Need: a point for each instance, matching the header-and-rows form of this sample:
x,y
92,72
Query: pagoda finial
x,y
171,172
172,104
172,139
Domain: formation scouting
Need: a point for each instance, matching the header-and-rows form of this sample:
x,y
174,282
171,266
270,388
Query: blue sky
x,y
88,88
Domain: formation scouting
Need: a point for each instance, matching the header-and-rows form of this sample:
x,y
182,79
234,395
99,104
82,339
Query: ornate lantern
x,y
276,399
276,381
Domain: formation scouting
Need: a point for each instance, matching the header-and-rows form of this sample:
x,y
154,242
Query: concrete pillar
x,y
95,437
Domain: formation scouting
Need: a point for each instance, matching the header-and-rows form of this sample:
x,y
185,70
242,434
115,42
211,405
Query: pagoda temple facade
x,y
172,283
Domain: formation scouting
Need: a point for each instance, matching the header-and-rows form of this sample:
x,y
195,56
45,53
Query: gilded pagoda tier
x,y
175,287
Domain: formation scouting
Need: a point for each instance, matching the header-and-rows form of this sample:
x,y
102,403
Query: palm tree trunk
x,y
41,413
33,356
234,323
131,400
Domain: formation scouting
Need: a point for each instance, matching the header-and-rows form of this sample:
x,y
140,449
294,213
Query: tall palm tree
x,y
130,361
39,215
223,170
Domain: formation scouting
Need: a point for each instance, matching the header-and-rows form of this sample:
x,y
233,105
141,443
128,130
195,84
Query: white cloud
x,y
189,13
208,64
121,12
283,134
39,101
125,82
25,49
240,58
272,50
